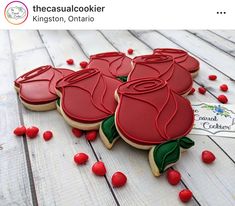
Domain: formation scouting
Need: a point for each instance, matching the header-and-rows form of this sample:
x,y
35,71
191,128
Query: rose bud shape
x,y
181,57
150,113
112,64
87,96
165,68
38,86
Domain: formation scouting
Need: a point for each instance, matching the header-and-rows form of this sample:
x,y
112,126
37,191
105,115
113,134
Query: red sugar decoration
x,y
91,135
222,98
80,158
70,61
212,77
99,168
185,195
208,157
118,179
173,176
19,131
224,87
130,51
201,90
32,132
47,135
77,132
191,91
83,64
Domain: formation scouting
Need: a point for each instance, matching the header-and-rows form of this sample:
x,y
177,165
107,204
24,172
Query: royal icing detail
x,y
169,152
181,57
149,113
38,86
165,68
112,64
88,95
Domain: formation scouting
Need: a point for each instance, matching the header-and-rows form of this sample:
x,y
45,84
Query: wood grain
x,y
14,180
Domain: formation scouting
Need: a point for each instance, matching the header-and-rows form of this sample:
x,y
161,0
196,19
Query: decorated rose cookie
x,y
112,64
87,98
151,116
182,58
165,68
36,88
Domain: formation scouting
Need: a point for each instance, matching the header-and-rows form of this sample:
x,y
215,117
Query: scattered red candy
x,y
118,179
222,98
19,131
77,132
83,64
224,87
70,61
208,157
173,177
212,77
91,135
80,158
99,168
185,195
47,135
32,132
201,90
191,91
130,51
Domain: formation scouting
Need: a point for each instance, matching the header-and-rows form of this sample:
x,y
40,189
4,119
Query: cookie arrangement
x,y
139,100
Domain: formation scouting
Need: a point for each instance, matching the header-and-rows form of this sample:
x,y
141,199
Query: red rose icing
x,y
38,86
181,57
88,95
149,113
112,64
163,67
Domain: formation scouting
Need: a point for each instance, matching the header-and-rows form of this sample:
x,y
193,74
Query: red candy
x,y
47,135
130,51
118,179
224,87
208,157
212,77
32,132
99,168
222,98
191,91
70,61
185,195
201,90
80,158
83,64
77,132
90,136
173,177
19,131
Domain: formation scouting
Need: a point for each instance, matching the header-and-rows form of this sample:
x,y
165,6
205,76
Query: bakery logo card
x,y
214,119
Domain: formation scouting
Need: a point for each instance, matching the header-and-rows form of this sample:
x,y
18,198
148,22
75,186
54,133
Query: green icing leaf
x,y
109,129
58,102
123,78
185,142
166,153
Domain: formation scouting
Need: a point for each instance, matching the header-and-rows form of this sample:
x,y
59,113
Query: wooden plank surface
x,y
58,181
14,180
227,34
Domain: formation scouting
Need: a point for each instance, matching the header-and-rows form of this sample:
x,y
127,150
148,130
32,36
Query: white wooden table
x,y
35,172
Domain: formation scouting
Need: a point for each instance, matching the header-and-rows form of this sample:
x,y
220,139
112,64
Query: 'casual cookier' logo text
x,y
16,12
214,119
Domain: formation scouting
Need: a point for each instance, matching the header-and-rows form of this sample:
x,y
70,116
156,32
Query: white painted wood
x,y
207,188
227,34
133,162
23,40
66,48
58,180
217,41
14,181
222,61
92,42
